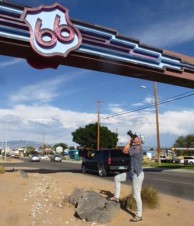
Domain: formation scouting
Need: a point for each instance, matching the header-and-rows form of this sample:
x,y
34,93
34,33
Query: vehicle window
x,y
115,153
105,154
92,155
97,155
188,157
88,154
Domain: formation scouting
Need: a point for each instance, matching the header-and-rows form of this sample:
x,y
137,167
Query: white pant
x,y
136,187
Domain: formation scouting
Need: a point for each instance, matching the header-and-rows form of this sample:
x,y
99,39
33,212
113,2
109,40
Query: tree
x,y
29,150
63,145
185,142
88,137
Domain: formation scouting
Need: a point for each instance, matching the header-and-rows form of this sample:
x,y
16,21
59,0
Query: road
x,y
171,182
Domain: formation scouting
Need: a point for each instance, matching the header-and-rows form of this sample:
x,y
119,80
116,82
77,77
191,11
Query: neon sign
x,y
51,31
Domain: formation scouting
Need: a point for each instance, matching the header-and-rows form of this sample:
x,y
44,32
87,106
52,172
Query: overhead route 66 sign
x,y
51,31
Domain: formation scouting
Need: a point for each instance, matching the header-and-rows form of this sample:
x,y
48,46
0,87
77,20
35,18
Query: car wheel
x,y
190,163
101,170
83,168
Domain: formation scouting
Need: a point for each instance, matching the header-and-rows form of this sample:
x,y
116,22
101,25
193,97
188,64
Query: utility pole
x,y
43,134
116,133
6,133
157,121
98,126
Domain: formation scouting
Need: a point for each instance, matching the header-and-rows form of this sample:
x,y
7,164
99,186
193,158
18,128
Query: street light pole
x,y
157,121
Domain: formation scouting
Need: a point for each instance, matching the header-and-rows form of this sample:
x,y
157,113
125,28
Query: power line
x,y
177,97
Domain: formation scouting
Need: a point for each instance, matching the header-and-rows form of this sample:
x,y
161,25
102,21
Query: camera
x,y
131,134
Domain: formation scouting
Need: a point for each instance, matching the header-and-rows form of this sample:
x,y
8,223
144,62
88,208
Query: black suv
x,y
105,161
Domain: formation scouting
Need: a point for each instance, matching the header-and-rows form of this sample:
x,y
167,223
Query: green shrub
x,y
149,196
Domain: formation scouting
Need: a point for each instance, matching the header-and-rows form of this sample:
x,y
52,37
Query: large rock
x,y
103,215
91,206
75,196
88,203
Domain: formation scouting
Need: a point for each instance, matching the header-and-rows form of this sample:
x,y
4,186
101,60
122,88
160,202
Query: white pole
x,y
6,132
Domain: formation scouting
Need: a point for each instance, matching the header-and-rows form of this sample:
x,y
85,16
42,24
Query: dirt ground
x,y
38,200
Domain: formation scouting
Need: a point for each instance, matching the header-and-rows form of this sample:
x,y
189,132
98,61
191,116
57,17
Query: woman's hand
x,y
126,148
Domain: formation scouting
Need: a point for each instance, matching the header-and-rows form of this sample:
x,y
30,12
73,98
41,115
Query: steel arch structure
x,y
91,47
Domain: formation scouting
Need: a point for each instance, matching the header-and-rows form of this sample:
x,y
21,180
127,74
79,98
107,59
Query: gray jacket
x,y
135,153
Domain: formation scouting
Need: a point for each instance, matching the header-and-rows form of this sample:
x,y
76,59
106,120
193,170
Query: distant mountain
x,y
14,144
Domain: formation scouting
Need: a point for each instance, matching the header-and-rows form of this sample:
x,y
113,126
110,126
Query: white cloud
x,y
168,32
171,123
147,100
29,122
10,62
115,109
177,123
42,92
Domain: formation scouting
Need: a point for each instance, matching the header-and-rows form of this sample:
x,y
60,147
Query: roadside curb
x,y
159,169
72,161
180,170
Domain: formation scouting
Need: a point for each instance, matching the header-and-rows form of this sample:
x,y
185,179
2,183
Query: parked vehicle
x,y
44,157
166,158
105,161
56,158
34,158
175,160
15,155
188,160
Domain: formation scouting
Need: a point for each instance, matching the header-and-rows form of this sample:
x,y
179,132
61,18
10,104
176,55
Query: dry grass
x,y
150,199
2,169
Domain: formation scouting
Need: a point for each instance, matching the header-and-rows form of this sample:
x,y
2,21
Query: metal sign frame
x,y
98,48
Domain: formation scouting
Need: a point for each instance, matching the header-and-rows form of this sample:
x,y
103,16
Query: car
x,y
34,158
56,158
45,157
188,160
165,158
15,155
105,161
176,160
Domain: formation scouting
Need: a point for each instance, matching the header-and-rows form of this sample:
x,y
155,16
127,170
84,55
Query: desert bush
x,y
2,169
150,199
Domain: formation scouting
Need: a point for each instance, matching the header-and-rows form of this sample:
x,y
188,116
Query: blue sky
x,y
53,103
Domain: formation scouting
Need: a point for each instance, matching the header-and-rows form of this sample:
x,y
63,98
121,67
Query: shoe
x,y
114,199
136,219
